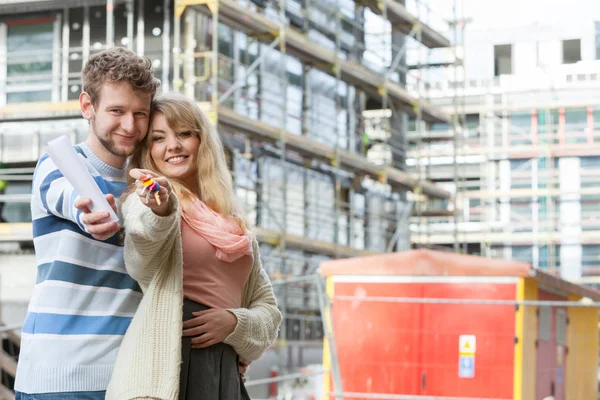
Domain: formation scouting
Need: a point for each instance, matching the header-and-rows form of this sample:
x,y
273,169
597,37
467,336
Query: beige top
x,y
148,363
208,280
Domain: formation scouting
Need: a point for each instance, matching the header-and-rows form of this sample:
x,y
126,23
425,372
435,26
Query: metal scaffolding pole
x,y
178,11
282,148
166,43
3,72
85,32
457,124
110,23
129,12
336,178
56,53
323,296
214,65
140,29
241,82
189,67
65,57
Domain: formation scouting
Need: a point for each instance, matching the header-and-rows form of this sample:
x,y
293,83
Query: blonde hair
x,y
214,182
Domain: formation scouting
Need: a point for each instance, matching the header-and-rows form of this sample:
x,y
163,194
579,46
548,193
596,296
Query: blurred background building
x,y
351,128
528,152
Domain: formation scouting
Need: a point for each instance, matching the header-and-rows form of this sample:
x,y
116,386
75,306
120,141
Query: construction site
x,y
399,161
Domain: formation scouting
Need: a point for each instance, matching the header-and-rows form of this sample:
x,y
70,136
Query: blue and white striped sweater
x,y
83,300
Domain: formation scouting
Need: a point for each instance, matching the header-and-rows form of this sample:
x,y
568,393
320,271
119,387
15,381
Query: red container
x,y
468,339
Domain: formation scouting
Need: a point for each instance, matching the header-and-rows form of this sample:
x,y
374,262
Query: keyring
x,y
152,187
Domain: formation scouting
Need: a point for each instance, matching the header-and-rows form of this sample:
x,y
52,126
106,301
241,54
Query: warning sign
x,y
467,345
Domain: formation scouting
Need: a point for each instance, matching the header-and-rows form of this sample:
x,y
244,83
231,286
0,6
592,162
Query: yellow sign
x,y
467,345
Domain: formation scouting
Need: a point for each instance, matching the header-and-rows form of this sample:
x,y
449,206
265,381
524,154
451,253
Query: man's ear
x,y
86,106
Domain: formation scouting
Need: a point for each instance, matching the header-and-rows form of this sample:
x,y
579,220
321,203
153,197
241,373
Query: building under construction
x,y
311,99
526,163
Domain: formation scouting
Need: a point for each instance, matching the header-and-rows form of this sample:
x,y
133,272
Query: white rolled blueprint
x,y
72,167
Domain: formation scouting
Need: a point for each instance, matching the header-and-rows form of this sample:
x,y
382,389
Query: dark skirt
x,y
211,373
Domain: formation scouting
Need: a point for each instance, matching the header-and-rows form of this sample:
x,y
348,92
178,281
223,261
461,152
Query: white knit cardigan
x,y
149,359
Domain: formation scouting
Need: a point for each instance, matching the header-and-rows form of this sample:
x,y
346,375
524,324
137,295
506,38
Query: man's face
x,y
120,118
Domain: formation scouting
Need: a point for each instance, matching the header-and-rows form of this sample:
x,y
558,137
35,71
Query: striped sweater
x,y
83,300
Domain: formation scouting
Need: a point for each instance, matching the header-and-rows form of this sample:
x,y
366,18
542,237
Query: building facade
x,y
527,157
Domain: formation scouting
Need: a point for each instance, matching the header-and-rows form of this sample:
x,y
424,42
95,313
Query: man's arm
x,y
54,195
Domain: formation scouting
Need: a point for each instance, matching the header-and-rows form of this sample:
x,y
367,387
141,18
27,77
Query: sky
x,y
491,14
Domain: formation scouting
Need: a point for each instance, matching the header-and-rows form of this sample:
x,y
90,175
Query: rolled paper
x,y
71,165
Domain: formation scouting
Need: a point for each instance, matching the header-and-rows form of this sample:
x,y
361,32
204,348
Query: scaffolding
x,y
289,86
529,168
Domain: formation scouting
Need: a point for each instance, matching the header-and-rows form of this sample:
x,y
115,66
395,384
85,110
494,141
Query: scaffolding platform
x,y
22,232
297,44
405,22
228,119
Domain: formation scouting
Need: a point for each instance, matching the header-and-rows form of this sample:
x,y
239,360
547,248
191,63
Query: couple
x,y
174,307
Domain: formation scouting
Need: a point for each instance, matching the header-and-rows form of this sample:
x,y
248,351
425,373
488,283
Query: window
x,y
575,125
29,65
472,125
520,128
502,59
590,258
522,253
561,327
544,323
571,51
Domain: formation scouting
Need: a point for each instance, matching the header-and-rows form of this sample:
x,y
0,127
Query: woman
x,y
190,249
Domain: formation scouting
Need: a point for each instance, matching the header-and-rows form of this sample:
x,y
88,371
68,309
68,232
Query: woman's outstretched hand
x,y
209,327
141,175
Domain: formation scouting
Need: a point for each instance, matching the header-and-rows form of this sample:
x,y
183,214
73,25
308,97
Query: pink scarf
x,y
223,233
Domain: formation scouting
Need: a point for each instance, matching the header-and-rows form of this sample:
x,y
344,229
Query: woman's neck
x,y
192,186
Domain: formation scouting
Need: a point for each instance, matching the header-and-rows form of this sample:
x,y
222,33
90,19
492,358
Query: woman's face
x,y
174,153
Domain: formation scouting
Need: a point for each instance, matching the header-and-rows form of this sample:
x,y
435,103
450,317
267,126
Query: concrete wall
x,y
17,279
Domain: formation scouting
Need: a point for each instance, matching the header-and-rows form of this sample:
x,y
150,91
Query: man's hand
x,y
209,327
97,224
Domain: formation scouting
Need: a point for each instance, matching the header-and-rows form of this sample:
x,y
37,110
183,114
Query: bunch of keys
x,y
151,187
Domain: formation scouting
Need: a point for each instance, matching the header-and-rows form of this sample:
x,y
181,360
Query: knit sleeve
x,y
258,322
54,194
149,238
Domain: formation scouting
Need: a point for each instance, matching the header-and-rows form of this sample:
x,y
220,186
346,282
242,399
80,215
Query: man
x,y
84,299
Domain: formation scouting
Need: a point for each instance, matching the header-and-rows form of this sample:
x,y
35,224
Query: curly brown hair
x,y
117,65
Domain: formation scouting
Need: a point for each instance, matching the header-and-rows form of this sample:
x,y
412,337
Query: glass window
x,y
571,51
502,59
522,253
520,128
440,127
544,323
28,97
29,61
472,125
590,162
17,212
591,258
547,125
575,125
